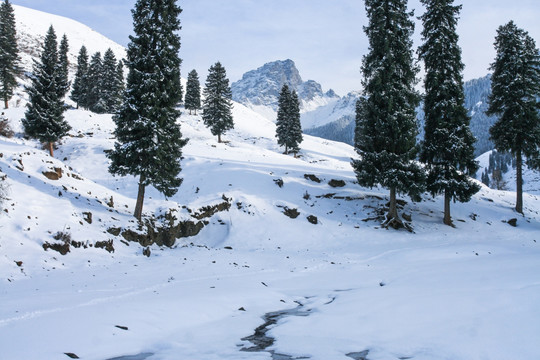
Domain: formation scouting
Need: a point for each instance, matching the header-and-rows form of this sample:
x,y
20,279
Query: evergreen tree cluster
x,y
99,82
44,117
288,126
9,52
217,104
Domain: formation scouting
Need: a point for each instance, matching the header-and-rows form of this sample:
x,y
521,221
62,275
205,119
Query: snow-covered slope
x,y
281,251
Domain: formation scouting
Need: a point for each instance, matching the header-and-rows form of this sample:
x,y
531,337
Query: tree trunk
x,y
447,217
6,105
286,150
219,138
519,183
140,199
51,148
189,111
392,208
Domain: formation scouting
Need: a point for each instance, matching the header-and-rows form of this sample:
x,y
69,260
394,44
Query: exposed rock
x,y
209,211
336,183
313,219
87,217
106,244
71,355
53,175
146,252
312,178
292,213
512,222
406,217
114,231
279,182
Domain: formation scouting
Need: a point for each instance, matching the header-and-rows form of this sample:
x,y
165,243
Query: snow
x,y
466,293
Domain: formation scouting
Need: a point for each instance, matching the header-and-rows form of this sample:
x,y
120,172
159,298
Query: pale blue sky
x,y
324,37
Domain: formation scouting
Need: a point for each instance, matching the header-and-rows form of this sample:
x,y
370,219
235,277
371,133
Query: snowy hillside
x,y
32,25
273,257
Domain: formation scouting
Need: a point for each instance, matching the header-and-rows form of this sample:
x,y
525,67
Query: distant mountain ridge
x,y
259,89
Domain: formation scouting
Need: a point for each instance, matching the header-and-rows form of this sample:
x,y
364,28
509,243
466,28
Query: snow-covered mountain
x,y
276,257
259,89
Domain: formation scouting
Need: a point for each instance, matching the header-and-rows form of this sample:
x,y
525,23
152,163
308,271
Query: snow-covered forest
x,y
150,214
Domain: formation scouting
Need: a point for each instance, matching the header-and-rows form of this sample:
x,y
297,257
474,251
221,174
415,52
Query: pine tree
x,y
9,52
63,72
288,127
295,126
284,106
148,139
44,117
448,147
109,82
120,85
78,93
217,103
192,99
386,119
95,101
515,86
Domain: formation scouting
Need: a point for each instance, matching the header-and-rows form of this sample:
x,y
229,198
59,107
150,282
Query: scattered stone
x,y
114,231
512,222
228,248
241,309
312,177
146,252
87,216
292,213
19,263
406,217
110,203
473,216
72,355
362,355
53,175
313,219
336,183
279,182
121,327
105,244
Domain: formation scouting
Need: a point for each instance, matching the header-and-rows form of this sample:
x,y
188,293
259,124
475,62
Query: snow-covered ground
x,y
354,290
470,292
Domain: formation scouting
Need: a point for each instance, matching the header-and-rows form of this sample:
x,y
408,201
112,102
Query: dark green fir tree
x,y
386,122
78,93
63,71
217,103
44,117
9,53
448,146
288,127
94,94
109,82
120,85
148,138
192,100
515,87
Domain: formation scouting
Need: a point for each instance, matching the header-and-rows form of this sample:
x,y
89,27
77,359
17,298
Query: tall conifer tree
x,y
63,71
386,140
515,87
148,139
192,100
109,82
448,147
78,93
295,126
9,52
217,103
288,127
44,117
95,101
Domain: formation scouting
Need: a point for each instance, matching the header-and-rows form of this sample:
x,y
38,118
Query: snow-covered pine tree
x,y
386,139
9,52
63,71
78,93
515,87
448,146
120,85
44,117
217,103
295,126
109,84
284,106
192,100
148,138
95,100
